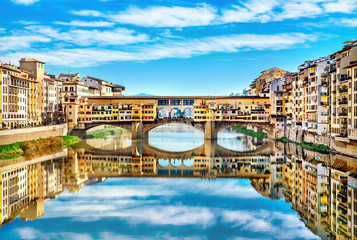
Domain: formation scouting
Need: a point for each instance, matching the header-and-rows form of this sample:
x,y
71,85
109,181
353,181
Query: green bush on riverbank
x,y
309,146
249,132
38,147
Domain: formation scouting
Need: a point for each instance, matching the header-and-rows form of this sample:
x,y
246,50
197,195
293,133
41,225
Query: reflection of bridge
x,y
208,149
141,114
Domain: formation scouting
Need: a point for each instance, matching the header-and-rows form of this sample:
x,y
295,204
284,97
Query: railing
x,y
343,114
343,90
344,78
325,84
343,102
324,94
324,103
325,113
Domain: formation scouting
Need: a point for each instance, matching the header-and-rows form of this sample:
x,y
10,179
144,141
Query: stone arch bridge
x,y
140,130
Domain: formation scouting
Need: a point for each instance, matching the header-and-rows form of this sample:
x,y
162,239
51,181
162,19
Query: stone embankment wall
x,y
299,135
27,134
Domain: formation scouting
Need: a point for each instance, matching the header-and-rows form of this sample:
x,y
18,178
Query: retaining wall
x,y
26,134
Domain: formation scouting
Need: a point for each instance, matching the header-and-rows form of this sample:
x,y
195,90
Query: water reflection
x,y
211,192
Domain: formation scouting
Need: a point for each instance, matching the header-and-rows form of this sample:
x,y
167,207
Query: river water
x,y
176,185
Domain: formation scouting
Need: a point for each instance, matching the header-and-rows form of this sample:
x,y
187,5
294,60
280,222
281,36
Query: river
x,y
176,185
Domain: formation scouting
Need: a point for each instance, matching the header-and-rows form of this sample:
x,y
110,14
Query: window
x,y
188,102
163,102
175,102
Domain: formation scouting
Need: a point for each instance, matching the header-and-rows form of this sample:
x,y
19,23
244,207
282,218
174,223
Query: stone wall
x,y
299,135
26,134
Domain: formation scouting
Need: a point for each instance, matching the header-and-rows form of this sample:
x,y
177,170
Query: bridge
x,y
141,114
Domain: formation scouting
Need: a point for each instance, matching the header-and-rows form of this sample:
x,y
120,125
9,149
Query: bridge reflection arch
x,y
176,162
163,162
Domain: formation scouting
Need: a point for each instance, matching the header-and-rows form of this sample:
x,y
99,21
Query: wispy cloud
x,y
89,13
160,16
182,48
258,11
25,2
78,23
79,37
21,42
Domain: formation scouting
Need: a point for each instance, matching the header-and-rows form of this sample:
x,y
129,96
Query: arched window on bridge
x,y
163,113
188,113
176,113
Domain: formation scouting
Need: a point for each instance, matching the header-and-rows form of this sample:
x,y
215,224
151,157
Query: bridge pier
x,y
210,130
137,130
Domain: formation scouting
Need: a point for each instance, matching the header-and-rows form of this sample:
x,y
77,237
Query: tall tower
x,y
37,71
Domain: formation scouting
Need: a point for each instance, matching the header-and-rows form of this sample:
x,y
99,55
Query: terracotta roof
x,y
119,86
27,79
30,60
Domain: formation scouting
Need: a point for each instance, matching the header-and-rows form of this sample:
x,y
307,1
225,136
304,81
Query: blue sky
x,y
182,47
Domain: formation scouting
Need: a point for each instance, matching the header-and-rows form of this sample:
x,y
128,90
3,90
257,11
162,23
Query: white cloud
x,y
160,16
77,23
119,36
21,42
25,2
31,233
89,13
169,49
262,221
261,11
349,22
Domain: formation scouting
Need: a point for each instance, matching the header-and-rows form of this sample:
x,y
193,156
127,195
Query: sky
x,y
182,47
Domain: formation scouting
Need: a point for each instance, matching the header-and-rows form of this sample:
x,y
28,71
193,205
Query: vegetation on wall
x,y
30,149
309,146
249,132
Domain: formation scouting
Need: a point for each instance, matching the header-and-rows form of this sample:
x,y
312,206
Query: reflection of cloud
x,y
262,221
31,233
166,236
168,215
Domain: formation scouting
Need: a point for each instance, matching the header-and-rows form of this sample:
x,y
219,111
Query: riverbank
x,y
33,148
320,148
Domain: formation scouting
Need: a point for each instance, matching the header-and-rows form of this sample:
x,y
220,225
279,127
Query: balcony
x,y
343,102
325,84
312,74
325,94
343,90
344,78
343,114
324,103
352,134
325,113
